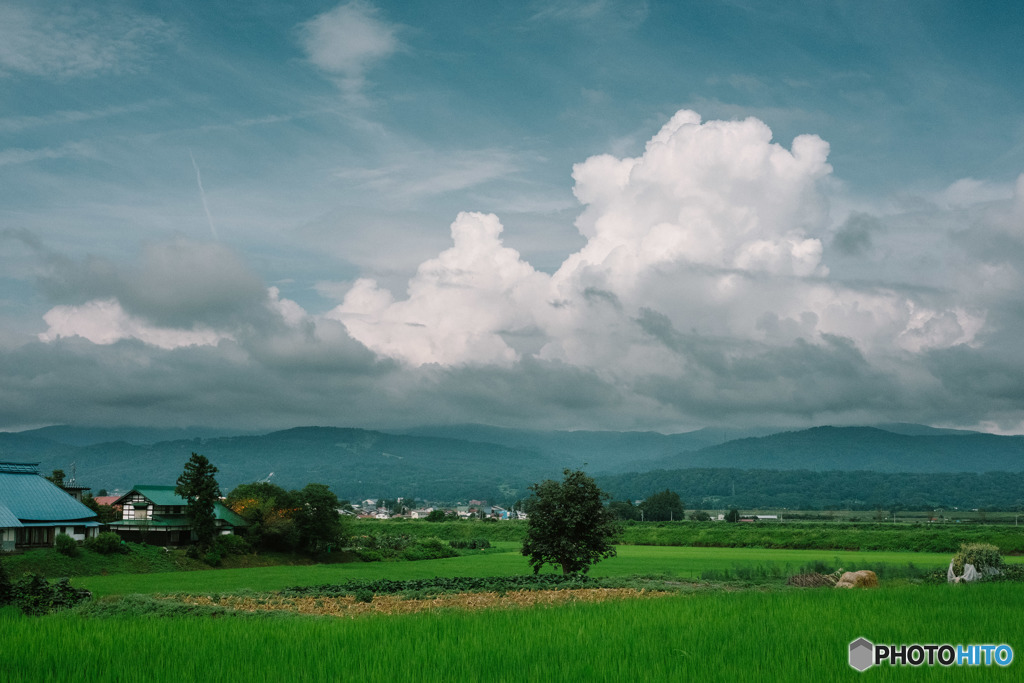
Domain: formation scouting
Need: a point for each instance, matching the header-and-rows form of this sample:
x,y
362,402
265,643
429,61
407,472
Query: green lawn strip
x,y
679,562
711,636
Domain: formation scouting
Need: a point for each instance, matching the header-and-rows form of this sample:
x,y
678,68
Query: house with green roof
x,y
33,510
158,516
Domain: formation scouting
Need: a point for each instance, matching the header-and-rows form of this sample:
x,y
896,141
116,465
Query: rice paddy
x,y
707,632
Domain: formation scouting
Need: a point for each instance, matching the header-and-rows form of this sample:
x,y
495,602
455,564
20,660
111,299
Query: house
x,y
158,516
33,510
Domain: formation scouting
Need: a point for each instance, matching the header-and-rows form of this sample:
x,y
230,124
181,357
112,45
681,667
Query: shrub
x,y
65,545
213,557
429,549
35,596
982,555
363,595
470,544
232,545
107,543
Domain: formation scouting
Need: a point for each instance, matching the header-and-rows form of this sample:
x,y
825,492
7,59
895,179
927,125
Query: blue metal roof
x,y
8,519
31,498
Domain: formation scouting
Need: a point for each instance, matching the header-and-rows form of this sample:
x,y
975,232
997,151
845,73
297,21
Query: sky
x,y
589,214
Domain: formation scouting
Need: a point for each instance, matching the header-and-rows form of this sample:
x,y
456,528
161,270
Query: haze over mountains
x,y
460,462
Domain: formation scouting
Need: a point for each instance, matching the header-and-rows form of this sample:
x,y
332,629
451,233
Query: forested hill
x,y
717,489
474,461
353,462
860,448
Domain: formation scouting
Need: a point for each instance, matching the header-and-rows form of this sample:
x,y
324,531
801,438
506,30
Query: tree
x,y
198,486
317,520
732,515
624,509
436,515
568,524
663,507
57,477
269,509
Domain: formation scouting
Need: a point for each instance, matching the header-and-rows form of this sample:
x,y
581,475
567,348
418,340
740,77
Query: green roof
x,y
165,496
160,495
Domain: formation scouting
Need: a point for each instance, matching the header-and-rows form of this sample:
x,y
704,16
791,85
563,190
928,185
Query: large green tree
x,y
198,486
663,507
317,520
270,511
568,524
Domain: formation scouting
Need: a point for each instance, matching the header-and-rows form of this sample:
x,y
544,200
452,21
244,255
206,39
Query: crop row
x,y
457,584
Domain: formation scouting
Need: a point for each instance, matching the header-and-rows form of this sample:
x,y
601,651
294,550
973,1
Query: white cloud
x,y
104,321
713,230
346,40
459,303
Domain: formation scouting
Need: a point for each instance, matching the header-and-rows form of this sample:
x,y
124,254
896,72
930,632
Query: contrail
x,y
202,195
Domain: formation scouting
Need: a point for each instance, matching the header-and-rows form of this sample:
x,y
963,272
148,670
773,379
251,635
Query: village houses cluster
x,y
34,510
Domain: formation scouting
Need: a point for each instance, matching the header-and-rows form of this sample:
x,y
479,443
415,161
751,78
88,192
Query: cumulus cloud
x,y
713,228
346,40
712,287
459,303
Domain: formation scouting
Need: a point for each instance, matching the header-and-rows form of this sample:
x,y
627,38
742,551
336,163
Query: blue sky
x,y
410,212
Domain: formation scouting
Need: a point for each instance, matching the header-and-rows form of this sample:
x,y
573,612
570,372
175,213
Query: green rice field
x,y
733,631
673,561
712,636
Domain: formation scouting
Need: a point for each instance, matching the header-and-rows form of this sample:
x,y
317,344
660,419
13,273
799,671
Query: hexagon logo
x,y
862,654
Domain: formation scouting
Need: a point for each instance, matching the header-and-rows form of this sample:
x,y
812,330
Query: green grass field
x,y
713,636
680,562
716,632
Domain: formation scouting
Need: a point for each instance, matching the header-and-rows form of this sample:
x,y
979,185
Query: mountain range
x,y
460,462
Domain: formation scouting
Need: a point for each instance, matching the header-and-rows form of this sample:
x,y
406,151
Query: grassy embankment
x,y
940,538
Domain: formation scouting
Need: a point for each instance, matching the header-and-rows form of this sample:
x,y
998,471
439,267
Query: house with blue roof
x,y
158,516
33,510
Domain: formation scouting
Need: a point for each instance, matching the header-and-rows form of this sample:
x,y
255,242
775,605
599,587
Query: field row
x,y
681,563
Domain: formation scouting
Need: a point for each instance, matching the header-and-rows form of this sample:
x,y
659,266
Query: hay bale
x,y
865,578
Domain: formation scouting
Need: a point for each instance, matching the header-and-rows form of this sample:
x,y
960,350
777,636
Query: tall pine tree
x,y
197,486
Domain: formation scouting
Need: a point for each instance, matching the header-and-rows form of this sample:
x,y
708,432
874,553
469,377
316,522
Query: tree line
x,y
723,488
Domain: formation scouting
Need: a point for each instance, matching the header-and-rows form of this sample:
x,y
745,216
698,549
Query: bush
x,y
35,596
232,545
982,555
470,544
429,549
65,545
107,543
213,557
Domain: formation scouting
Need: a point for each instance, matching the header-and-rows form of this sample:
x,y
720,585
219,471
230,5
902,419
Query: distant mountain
x,y
860,448
595,451
353,462
477,461
89,436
